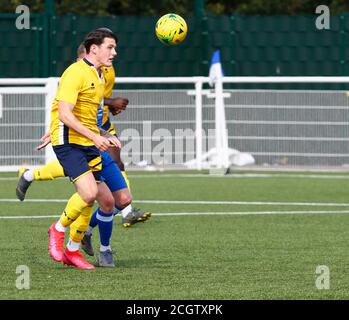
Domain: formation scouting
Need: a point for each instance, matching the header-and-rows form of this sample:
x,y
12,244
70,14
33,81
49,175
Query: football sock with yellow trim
x,y
73,210
80,225
50,171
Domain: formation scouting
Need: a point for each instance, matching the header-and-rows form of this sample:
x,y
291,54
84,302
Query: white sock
x,y
73,246
29,175
59,227
125,211
104,248
89,230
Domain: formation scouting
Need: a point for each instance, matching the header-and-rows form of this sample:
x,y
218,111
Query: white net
x,y
297,128
22,123
290,127
157,128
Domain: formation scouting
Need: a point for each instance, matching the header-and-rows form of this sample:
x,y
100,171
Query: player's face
x,y
106,52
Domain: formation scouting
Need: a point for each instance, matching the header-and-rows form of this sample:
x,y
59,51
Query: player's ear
x,y
93,48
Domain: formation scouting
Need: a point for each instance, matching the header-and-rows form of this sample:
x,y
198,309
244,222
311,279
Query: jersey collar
x,y
92,65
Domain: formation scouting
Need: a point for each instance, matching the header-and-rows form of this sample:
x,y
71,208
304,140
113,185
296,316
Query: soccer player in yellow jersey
x,y
53,169
76,142
115,106
111,175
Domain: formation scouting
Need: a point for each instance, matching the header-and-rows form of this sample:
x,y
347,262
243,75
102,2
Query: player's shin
x,y
105,226
80,225
75,207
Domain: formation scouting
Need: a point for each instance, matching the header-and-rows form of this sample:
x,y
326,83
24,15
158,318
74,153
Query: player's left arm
x,y
115,105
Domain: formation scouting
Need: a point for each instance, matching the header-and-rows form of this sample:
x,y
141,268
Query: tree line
x,y
183,7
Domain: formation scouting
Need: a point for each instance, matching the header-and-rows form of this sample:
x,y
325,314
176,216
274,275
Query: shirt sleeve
x,y
70,85
110,79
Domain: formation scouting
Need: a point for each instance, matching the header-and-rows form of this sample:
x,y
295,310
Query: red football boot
x,y
76,258
56,243
66,261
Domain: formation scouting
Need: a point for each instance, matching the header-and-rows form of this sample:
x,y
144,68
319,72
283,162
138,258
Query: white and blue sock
x,y
105,226
93,221
125,211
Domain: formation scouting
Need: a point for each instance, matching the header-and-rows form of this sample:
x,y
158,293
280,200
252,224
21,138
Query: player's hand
x,y
103,143
117,105
114,142
46,139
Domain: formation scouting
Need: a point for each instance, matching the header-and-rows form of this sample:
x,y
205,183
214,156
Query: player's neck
x,y
91,60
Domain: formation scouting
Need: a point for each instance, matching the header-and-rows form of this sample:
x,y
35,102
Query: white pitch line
x,y
242,175
28,217
192,202
247,213
248,203
34,200
200,214
233,175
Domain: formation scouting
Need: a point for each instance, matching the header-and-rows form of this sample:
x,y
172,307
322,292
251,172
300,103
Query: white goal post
x,y
194,126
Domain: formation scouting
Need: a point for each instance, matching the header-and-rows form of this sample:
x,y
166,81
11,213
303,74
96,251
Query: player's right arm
x,y
65,114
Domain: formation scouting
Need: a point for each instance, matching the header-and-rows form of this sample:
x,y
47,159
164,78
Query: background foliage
x,y
184,7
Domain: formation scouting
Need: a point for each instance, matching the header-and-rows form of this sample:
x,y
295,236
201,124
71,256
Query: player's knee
x,y
107,204
89,196
89,200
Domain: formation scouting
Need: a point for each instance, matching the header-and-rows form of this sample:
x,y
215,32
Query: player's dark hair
x,y
97,37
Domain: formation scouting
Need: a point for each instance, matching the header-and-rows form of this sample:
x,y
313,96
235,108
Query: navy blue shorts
x,y
78,160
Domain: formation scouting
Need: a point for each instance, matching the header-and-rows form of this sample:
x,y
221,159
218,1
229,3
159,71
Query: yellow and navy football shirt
x,y
81,86
109,76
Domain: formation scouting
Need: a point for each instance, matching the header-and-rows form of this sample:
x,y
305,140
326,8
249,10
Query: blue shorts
x,y
111,173
78,160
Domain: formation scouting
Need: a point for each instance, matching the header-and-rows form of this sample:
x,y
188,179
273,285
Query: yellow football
x,y
171,29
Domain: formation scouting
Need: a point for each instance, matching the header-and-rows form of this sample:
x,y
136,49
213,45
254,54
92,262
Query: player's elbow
x,y
64,112
63,116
